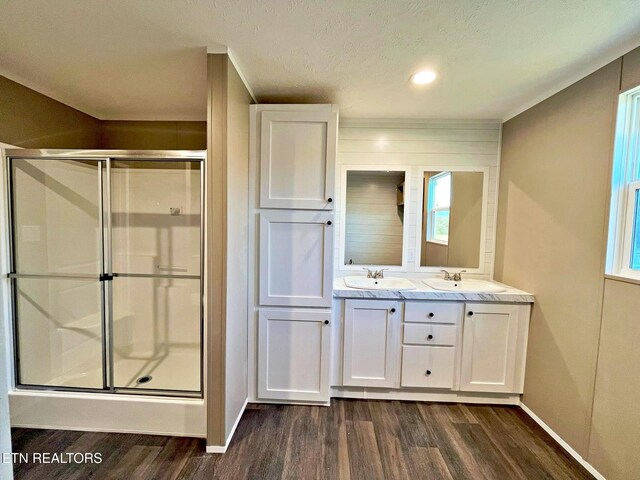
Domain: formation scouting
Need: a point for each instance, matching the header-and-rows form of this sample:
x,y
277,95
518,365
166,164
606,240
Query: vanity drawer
x,y
433,312
430,334
427,367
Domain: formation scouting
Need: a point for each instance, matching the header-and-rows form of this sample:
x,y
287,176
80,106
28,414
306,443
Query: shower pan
x,y
106,270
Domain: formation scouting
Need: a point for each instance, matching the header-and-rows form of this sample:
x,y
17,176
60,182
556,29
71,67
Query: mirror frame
x,y
481,269
406,228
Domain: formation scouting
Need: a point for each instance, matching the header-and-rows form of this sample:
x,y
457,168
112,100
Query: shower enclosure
x,y
106,270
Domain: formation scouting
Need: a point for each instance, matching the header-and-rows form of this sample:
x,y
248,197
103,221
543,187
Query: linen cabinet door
x,y
293,355
296,258
371,342
297,159
494,342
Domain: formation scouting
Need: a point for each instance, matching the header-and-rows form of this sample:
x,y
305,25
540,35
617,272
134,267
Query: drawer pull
x,y
430,315
429,337
428,373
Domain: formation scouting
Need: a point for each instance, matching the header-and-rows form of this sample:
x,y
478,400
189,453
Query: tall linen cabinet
x,y
293,151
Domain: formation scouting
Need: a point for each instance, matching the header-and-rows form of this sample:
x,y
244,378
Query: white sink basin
x,y
389,283
464,286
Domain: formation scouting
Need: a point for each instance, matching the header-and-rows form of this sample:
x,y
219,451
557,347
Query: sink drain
x,y
145,379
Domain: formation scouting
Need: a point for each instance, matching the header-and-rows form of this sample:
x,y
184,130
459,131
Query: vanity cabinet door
x,y
494,343
371,341
293,355
296,254
297,158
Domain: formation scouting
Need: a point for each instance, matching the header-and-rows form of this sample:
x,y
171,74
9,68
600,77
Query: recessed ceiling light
x,y
423,77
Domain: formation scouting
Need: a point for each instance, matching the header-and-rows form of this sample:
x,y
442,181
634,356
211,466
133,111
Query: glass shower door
x,y
156,261
57,261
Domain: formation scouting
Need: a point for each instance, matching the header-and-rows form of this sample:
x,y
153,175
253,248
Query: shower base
x,y
177,370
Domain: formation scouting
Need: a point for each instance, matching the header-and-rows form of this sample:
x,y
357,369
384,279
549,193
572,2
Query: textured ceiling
x,y
143,59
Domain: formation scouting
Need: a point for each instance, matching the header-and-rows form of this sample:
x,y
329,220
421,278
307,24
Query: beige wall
x,y
238,101
465,224
227,245
435,254
29,119
615,429
136,135
374,221
552,216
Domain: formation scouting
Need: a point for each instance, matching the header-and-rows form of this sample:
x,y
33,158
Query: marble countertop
x,y
423,292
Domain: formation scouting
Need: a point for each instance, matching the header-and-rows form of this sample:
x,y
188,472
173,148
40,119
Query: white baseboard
x,y
216,449
563,444
290,402
223,448
369,393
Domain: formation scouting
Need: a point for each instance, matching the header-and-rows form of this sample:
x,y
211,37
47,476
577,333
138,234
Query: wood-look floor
x,y
352,439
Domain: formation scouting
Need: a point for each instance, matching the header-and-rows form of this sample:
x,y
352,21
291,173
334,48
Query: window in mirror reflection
x,y
374,217
451,219
439,204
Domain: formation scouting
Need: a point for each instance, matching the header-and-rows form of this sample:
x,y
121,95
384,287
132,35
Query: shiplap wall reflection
x,y
374,221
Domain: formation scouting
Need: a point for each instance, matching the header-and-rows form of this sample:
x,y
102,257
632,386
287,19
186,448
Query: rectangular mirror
x,y
374,217
452,213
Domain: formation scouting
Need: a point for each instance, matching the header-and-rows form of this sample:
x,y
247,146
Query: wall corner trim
x,y
223,448
590,468
221,49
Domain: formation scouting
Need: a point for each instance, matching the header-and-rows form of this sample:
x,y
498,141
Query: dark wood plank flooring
x,y
352,439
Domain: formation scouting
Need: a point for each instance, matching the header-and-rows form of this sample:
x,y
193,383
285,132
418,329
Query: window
x,y
632,235
623,253
438,206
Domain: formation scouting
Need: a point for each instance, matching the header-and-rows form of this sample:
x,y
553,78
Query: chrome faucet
x,y
457,277
379,273
454,277
375,273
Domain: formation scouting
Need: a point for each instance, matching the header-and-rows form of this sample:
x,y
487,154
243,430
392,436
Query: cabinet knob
x,y
428,372
329,222
329,199
326,322
429,337
430,315
393,310
470,314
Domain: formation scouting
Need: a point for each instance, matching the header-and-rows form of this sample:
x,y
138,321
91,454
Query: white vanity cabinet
x,y
434,349
293,355
371,341
494,347
297,156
